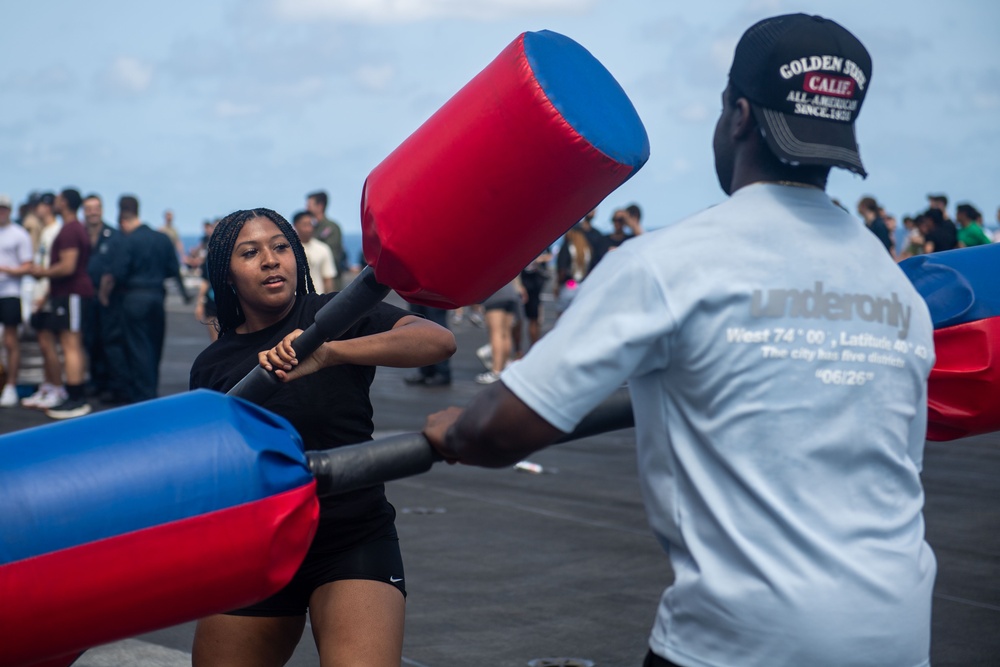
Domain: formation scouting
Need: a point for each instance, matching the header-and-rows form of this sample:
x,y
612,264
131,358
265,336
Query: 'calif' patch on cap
x,y
806,78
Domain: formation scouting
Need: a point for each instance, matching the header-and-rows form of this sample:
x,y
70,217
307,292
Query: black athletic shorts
x,y
61,313
533,283
375,556
531,305
508,305
10,311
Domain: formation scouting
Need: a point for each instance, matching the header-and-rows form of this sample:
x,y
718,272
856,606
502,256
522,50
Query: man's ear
x,y
744,122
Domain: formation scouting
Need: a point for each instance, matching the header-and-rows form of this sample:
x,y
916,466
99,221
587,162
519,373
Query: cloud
x,y
51,79
127,75
374,78
984,90
986,100
695,112
721,50
229,109
406,11
195,57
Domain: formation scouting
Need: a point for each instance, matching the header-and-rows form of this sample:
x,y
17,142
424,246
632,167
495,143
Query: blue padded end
x,y
588,97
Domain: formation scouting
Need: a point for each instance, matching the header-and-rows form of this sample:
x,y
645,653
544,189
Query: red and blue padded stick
x,y
515,158
962,291
145,517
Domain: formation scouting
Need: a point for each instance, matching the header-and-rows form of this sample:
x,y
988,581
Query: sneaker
x,y
8,398
476,320
489,377
52,398
485,354
29,401
71,407
43,398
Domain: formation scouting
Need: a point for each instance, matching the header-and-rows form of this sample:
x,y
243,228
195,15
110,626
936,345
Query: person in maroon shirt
x,y
69,287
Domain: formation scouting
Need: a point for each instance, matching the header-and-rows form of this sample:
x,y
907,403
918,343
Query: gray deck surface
x,y
505,567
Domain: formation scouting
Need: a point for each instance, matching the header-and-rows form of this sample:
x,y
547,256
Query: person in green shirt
x,y
328,232
970,228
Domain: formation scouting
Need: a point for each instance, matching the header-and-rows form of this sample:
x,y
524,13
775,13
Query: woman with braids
x,y
351,581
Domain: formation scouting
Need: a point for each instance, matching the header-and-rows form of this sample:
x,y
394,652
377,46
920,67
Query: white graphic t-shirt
x,y
777,360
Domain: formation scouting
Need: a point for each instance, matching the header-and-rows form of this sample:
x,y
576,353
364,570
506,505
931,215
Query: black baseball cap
x,y
805,77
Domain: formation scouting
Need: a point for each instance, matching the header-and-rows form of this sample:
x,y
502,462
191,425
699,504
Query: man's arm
x,y
496,430
66,266
17,271
173,266
327,269
105,288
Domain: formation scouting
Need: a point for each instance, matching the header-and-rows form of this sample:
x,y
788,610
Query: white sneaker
x,y
485,354
32,401
8,398
489,377
51,398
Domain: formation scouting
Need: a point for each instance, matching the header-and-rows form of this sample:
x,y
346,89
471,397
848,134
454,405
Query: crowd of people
x,y
91,338
931,230
92,294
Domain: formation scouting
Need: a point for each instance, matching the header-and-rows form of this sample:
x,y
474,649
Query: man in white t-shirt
x,y
15,262
322,267
51,392
777,360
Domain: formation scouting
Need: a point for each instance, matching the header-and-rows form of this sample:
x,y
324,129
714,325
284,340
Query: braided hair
x,y
220,250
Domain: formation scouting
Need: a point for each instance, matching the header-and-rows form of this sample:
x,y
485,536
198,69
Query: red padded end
x,y
480,189
964,386
70,600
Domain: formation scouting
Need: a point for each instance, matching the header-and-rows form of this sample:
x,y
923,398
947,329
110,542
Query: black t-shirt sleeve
x,y
382,317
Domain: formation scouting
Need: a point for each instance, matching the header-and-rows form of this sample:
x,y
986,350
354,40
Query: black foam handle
x,y
613,414
352,467
344,469
332,320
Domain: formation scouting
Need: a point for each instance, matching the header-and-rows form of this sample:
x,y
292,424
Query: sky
x,y
209,107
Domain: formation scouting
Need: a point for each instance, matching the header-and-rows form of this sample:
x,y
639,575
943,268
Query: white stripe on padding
x,y
133,652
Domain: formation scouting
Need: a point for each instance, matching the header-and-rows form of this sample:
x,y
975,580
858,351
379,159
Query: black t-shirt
x,y
880,230
329,408
944,236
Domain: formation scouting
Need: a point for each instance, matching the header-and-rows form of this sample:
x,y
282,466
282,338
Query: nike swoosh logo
x,y
394,580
